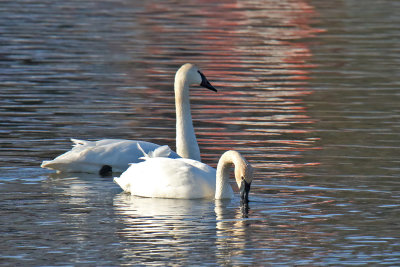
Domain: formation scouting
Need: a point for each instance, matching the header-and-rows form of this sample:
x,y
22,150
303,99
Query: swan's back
x,y
169,178
91,156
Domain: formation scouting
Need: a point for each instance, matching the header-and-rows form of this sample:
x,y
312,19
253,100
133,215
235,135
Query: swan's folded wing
x,y
159,152
168,178
162,151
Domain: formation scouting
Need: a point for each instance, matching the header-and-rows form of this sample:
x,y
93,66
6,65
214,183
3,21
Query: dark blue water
x,y
308,93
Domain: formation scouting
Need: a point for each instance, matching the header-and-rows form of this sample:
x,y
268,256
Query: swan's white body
x,y
184,178
92,156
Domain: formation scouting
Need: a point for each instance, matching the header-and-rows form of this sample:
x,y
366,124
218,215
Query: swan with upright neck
x,y
162,177
114,155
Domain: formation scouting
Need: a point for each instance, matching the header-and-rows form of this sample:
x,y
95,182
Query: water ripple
x,y
307,91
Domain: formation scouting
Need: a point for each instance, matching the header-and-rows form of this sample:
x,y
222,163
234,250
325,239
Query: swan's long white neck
x,y
186,142
227,159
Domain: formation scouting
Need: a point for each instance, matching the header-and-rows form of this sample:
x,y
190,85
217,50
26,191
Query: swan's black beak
x,y
244,191
205,83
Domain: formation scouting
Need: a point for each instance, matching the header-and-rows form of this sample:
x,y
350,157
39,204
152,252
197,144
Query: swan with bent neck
x,y
114,155
187,179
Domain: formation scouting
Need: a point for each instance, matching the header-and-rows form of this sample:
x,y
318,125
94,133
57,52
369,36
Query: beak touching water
x,y
205,83
244,191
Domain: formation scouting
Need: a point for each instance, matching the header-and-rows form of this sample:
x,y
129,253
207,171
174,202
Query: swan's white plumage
x,y
184,178
162,151
169,178
91,156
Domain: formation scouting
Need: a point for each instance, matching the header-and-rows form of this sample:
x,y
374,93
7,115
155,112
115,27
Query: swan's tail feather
x,y
45,163
145,155
162,151
123,183
50,164
78,142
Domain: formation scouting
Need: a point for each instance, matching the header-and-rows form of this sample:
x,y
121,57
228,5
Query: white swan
x,y
185,178
114,155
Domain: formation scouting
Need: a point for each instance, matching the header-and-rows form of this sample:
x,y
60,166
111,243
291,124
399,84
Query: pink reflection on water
x,y
254,54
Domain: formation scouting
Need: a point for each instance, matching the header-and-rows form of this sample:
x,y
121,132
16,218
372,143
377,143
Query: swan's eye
x,y
242,178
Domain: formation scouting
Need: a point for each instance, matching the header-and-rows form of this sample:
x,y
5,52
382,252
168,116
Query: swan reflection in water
x,y
232,232
158,228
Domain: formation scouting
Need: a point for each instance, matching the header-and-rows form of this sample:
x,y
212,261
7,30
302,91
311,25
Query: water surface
x,y
308,92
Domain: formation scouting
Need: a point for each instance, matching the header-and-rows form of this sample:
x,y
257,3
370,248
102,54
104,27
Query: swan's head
x,y
244,177
190,74
243,172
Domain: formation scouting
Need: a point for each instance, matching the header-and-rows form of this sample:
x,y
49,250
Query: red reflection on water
x,y
253,52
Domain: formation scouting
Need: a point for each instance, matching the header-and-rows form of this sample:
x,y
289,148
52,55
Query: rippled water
x,y
308,92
